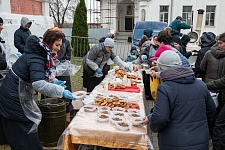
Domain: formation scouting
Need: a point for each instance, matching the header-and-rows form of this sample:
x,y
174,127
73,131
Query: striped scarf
x,y
50,71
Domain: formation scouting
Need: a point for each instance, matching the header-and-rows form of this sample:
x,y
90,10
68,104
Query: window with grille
x,y
187,15
210,15
164,13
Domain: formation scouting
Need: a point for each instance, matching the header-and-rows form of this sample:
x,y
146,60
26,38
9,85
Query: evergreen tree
x,y
80,29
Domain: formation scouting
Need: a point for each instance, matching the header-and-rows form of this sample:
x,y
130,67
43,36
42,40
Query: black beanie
x,y
1,20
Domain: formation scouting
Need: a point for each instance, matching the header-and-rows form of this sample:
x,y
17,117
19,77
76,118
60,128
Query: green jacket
x,y
177,25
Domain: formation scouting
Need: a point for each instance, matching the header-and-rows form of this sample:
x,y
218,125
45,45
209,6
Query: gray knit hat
x,y
109,42
167,60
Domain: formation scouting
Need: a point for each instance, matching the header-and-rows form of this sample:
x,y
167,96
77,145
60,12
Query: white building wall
x,y
152,9
12,22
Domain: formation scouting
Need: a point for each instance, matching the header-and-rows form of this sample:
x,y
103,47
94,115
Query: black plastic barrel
x,y
53,121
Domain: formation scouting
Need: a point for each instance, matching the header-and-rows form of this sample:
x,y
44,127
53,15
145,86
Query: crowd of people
x,y
184,114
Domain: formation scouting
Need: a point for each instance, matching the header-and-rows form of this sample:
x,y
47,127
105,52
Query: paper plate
x,y
79,95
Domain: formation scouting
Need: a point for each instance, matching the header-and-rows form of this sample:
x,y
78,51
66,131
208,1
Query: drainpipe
x,y
171,10
194,35
199,21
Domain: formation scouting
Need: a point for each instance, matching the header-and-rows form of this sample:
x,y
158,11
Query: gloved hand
x,y
18,54
61,83
99,71
68,94
127,68
143,57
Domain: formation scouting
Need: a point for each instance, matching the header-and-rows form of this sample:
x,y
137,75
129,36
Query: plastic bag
x,y
28,99
9,55
215,98
66,68
154,83
73,69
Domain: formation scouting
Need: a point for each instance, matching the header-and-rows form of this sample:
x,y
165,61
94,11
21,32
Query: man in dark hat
x,y
177,25
179,18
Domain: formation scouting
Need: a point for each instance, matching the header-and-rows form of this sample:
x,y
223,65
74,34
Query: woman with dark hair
x,y
165,39
64,56
33,71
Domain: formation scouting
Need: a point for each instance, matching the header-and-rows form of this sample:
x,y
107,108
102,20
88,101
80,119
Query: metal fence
x,y
92,32
121,48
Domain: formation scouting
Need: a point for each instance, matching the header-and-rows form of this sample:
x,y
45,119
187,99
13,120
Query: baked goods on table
x,y
115,102
116,86
119,73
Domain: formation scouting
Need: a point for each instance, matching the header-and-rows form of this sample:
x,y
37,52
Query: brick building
x,y
13,10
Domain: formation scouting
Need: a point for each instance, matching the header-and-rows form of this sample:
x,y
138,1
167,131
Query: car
x,y
140,26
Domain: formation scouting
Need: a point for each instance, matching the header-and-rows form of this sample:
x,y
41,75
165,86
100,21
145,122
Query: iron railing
x,y
121,48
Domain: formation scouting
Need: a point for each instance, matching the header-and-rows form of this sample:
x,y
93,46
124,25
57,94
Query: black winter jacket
x,y
3,63
30,68
20,37
65,50
207,40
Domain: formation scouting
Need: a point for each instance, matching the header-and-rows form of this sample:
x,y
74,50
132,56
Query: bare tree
x,y
62,9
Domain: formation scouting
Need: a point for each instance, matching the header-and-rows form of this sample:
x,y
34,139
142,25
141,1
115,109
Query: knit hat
x,y
133,48
167,60
1,20
159,51
109,42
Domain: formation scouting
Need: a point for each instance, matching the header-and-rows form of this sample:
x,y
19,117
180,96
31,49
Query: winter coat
x,y
3,63
207,40
65,50
178,25
218,85
184,41
21,35
149,51
144,45
97,57
180,113
30,67
212,64
132,56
